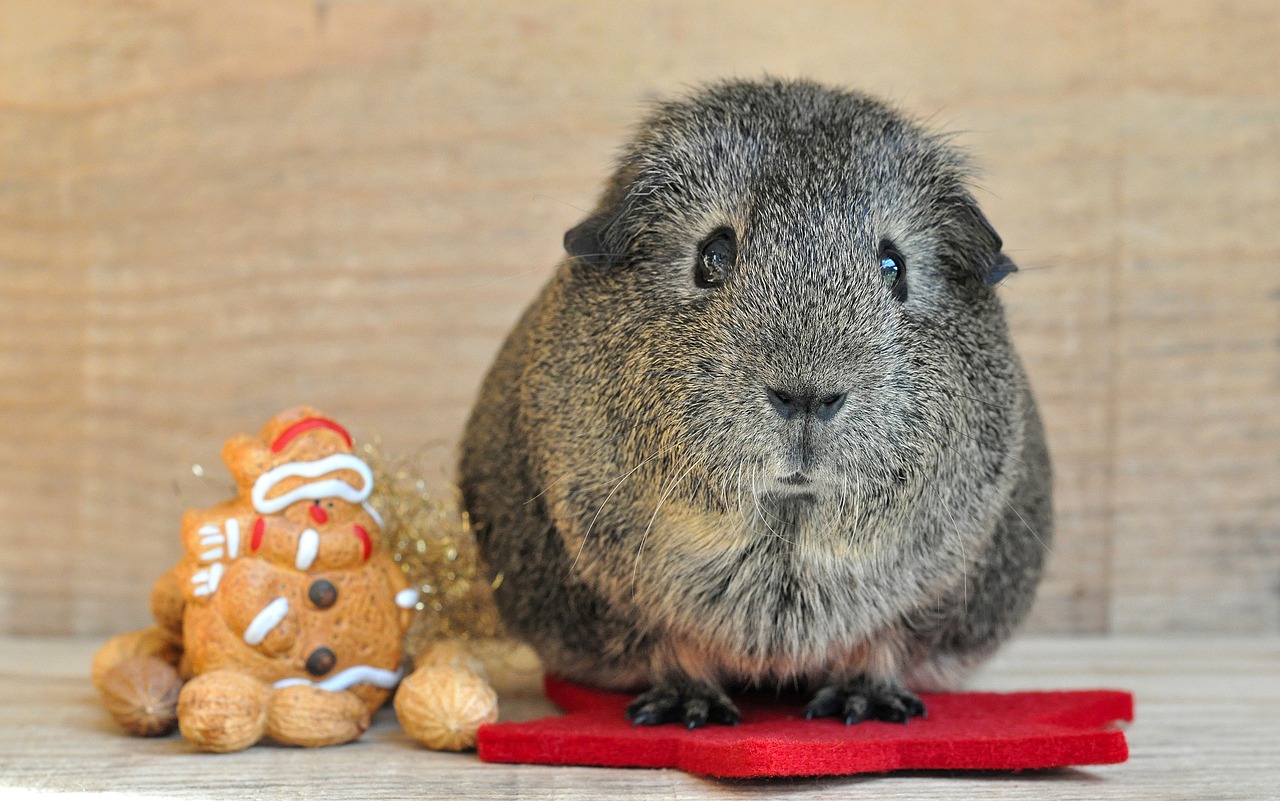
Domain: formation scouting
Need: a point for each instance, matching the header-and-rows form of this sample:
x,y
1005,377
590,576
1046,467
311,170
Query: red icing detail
x,y
964,731
318,514
307,424
259,527
365,542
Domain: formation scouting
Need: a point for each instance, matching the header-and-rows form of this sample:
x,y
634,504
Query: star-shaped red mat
x,y
964,731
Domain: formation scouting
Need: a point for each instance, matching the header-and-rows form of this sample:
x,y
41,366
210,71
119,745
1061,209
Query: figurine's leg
x,y
305,715
223,710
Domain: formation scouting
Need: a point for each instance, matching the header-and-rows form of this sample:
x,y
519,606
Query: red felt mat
x,y
964,731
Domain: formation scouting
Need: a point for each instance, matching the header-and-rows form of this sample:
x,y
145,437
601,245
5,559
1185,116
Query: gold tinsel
x,y
431,538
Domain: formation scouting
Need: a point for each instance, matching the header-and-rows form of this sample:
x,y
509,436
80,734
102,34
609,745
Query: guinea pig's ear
x,y
1001,268
983,244
588,241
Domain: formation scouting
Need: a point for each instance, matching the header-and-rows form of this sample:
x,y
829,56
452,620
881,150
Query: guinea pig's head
x,y
787,293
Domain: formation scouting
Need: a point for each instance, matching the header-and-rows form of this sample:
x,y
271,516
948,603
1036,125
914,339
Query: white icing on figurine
x,y
212,537
206,581
345,680
266,620
407,598
308,547
377,518
329,488
233,537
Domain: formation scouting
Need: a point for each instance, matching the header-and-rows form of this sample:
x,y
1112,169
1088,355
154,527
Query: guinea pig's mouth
x,y
794,488
784,510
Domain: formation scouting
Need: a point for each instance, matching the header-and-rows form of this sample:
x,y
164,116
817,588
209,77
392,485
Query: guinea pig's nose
x,y
790,404
828,405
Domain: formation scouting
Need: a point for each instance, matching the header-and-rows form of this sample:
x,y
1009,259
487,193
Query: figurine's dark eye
x,y
716,258
893,270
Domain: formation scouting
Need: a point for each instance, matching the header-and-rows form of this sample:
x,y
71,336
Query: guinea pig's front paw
x,y
683,701
866,698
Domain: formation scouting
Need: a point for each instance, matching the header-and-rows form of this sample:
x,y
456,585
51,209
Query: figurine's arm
x,y
260,604
212,538
169,599
406,597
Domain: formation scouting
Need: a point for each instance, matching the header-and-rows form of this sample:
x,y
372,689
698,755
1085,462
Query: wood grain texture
x,y
1207,720
1197,370
209,212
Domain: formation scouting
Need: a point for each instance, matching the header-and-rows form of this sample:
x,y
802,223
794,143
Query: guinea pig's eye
x,y
893,270
716,258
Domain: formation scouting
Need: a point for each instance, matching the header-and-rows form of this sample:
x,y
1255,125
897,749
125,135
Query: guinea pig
x,y
764,427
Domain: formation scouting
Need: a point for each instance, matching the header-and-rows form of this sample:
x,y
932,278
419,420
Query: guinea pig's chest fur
x,y
783,596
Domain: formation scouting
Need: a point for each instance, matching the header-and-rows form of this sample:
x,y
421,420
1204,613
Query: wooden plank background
x,y
210,211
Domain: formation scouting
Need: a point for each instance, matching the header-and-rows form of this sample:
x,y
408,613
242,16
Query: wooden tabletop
x,y
1207,727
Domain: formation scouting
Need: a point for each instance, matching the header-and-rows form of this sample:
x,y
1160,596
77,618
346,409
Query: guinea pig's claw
x,y
866,698
683,701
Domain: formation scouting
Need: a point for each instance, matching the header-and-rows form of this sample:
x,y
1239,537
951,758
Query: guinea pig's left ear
x,y
586,241
981,243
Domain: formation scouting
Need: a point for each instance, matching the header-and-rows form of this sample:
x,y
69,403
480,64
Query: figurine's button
x,y
321,661
322,593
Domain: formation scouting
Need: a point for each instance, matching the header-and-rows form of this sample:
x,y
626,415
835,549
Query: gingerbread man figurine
x,y
282,601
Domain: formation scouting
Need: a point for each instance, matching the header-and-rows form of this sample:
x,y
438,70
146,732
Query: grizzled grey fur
x,y
661,520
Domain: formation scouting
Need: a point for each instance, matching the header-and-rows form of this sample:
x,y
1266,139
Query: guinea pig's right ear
x,y
1001,268
592,241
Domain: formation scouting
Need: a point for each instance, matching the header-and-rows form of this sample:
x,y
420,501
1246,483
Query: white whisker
x,y
582,545
670,487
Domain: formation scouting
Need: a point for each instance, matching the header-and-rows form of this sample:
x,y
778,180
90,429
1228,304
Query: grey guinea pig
x,y
764,426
